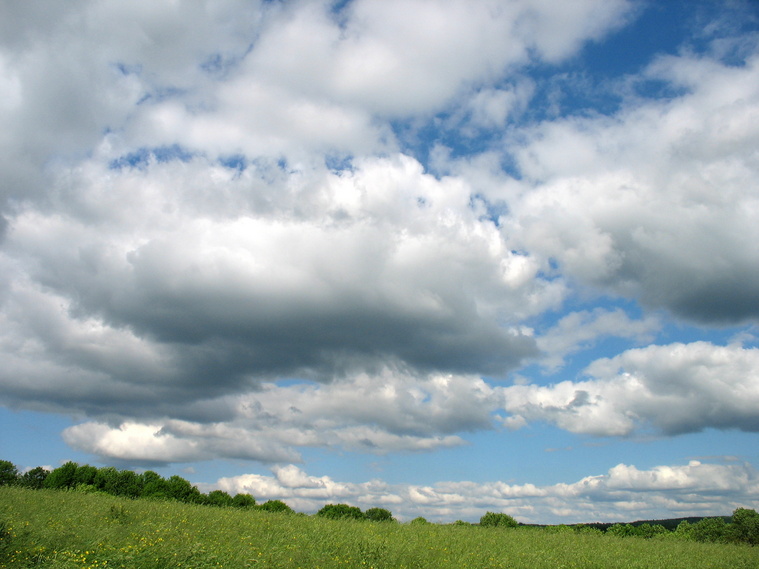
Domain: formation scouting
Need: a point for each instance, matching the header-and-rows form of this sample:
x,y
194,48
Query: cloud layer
x,y
236,229
695,489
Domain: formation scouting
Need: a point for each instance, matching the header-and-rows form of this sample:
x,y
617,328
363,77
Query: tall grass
x,y
56,529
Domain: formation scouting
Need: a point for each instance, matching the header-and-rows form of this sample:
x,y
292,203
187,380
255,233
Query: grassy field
x,y
45,528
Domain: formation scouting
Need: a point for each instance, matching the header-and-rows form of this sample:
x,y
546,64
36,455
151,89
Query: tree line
x,y
741,527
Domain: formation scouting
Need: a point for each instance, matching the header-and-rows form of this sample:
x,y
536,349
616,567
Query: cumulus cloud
x,y
388,412
695,489
215,242
579,330
672,389
658,201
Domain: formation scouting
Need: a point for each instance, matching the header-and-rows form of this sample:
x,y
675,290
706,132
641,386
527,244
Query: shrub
x,y
622,530
218,498
243,501
419,521
492,519
379,515
341,511
276,506
710,530
744,527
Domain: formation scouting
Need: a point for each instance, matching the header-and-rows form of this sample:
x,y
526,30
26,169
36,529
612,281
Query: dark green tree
x,y
8,473
744,527
379,515
107,480
243,501
341,512
710,530
218,498
153,486
181,490
85,474
493,519
129,484
276,506
34,478
62,477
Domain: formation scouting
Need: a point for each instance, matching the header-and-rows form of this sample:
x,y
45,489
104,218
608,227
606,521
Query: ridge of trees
x,y
741,527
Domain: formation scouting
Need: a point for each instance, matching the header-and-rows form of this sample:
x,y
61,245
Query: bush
x,y
710,530
340,512
419,521
492,519
243,501
218,498
744,527
276,506
379,515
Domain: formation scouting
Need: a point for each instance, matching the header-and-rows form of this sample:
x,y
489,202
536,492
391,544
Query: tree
x,y
128,484
8,473
62,477
621,530
419,521
34,478
710,530
85,474
218,498
180,489
276,506
341,512
493,519
744,527
107,480
379,515
243,501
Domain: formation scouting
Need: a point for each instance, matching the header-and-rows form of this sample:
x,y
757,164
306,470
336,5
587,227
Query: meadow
x,y
69,529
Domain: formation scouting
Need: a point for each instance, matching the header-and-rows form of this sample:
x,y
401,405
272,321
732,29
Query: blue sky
x,y
444,257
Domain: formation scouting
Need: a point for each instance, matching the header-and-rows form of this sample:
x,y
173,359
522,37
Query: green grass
x,y
56,529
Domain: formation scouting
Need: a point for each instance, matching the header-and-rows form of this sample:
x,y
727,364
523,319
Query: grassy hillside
x,y
57,529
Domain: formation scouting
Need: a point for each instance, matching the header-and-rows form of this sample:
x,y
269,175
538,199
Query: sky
x,y
438,256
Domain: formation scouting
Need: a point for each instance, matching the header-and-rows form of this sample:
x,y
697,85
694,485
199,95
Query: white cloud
x,y
673,389
625,493
400,57
388,412
656,202
579,330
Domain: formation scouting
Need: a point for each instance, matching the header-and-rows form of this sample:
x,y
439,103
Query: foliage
x,y
244,501
62,477
218,498
34,478
492,519
744,527
710,530
341,511
419,521
379,515
276,506
8,473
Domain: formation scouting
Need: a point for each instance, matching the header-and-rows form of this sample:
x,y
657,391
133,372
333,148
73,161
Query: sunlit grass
x,y
72,530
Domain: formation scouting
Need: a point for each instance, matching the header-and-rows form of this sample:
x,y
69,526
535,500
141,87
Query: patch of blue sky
x,y
339,163
237,162
25,436
142,157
